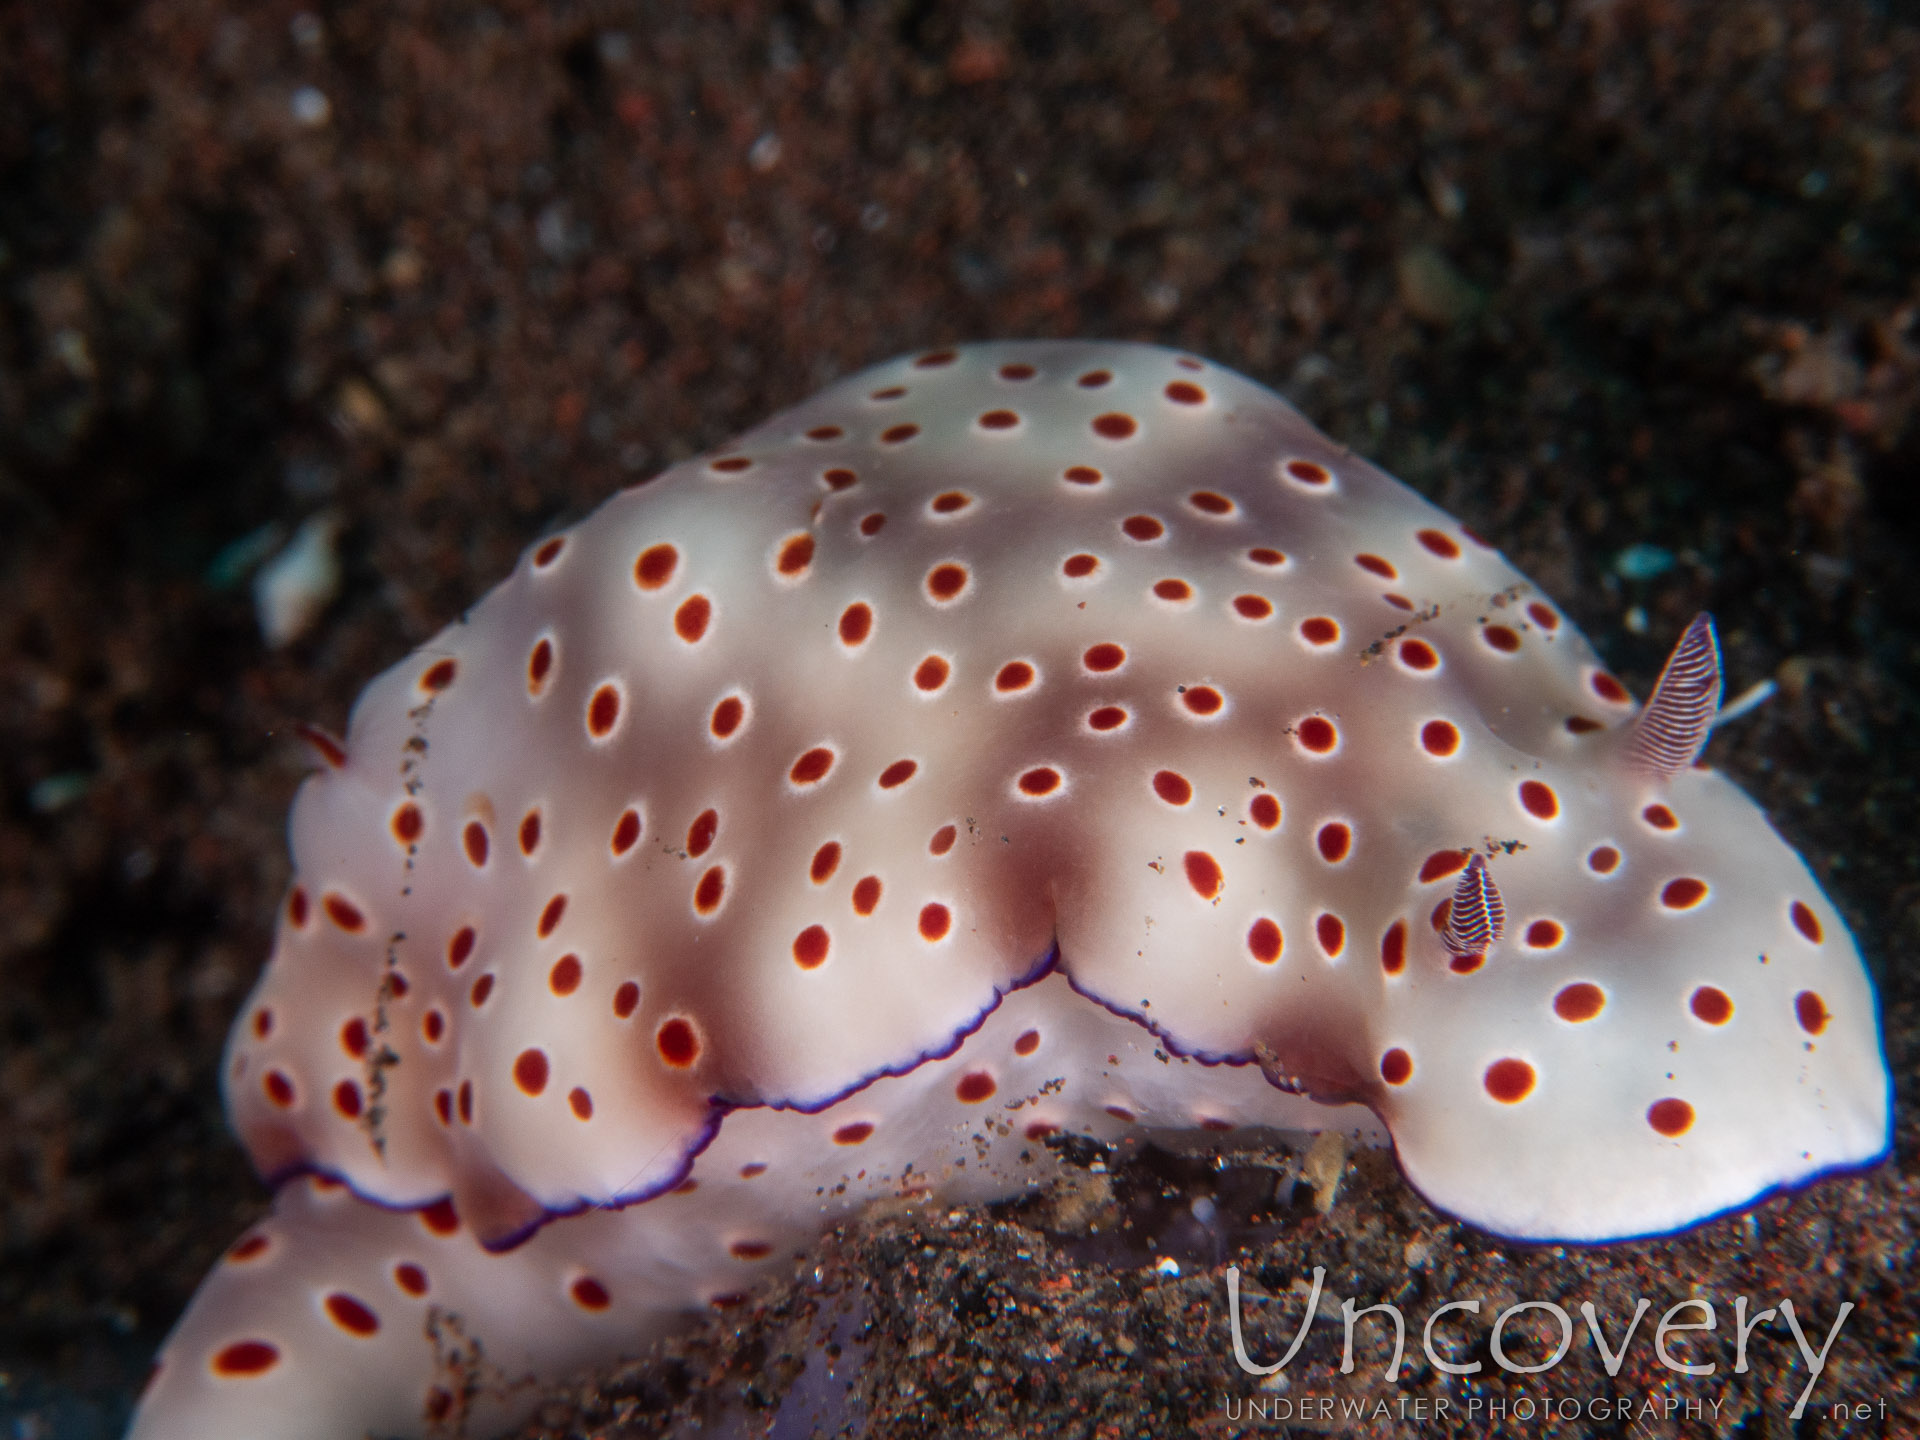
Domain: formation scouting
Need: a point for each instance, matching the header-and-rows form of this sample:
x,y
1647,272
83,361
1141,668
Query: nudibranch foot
x,y
336,1316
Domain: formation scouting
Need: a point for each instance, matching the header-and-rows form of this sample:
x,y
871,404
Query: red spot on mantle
x,y
1204,874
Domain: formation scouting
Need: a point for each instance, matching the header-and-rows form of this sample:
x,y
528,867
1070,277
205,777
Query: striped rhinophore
x,y
1672,731
1477,917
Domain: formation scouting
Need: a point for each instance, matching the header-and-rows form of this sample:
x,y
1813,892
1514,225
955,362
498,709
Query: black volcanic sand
x,y
1590,275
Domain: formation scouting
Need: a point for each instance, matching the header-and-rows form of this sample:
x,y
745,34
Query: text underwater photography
x,y
1534,1347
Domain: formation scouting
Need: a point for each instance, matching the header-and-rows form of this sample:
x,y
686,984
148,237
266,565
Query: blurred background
x,y
365,296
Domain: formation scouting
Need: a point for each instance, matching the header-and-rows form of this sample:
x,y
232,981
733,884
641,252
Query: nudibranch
x,y
1011,739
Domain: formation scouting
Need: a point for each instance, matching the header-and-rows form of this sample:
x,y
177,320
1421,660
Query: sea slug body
x,y
840,814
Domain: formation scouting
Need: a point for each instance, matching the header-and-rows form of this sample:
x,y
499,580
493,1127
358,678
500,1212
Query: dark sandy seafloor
x,y
1592,275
